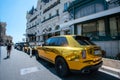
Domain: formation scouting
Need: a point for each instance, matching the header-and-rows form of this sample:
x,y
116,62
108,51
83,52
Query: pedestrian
x,y
9,47
30,48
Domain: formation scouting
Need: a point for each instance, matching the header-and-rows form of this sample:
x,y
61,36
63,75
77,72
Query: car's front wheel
x,y
61,67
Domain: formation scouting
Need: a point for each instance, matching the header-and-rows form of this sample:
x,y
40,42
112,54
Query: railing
x,y
49,18
51,6
33,19
32,27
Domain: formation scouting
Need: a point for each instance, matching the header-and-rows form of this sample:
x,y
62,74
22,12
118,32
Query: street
x,y
21,67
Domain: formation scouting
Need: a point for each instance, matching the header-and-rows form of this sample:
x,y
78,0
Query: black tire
x,y
61,67
94,70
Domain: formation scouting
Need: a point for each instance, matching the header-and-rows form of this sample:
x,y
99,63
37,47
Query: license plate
x,y
97,52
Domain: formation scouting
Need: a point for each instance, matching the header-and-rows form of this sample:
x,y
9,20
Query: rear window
x,y
83,40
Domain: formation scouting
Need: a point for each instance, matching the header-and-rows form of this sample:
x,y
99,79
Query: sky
x,y
13,12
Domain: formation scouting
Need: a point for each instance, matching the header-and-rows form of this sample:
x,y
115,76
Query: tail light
x,y
83,54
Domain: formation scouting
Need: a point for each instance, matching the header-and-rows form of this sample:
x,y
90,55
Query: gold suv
x,y
71,53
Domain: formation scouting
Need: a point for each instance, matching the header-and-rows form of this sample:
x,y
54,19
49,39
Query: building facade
x,y
97,19
4,39
44,20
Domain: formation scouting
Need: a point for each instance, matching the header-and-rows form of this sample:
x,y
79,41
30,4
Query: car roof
x,y
69,36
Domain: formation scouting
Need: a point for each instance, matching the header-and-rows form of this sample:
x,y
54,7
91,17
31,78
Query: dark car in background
x,y
20,46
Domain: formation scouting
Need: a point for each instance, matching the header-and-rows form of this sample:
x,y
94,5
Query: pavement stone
x,y
111,66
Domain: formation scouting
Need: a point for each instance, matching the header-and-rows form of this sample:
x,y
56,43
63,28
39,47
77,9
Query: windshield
x,y
83,40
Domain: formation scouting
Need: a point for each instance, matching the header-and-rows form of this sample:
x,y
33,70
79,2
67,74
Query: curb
x,y
111,71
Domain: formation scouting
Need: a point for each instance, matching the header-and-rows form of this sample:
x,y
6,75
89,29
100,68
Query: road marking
x,y
30,70
112,74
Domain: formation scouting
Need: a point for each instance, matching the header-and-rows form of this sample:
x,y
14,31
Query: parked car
x,y
71,53
16,45
20,46
33,49
26,48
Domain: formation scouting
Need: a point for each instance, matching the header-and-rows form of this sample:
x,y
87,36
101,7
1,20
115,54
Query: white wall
x,y
112,48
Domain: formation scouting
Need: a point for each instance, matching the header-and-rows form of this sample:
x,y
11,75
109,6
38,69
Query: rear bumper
x,y
88,69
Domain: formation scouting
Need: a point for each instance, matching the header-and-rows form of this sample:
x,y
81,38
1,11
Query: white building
x,y
44,20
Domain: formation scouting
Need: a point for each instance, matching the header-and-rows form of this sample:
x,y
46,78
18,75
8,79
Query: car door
x,y
57,47
50,49
43,50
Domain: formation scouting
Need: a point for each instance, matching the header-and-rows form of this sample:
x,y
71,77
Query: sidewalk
x,y
111,67
21,67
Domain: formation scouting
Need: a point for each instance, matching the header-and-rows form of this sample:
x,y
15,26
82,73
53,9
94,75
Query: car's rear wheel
x,y
94,70
61,67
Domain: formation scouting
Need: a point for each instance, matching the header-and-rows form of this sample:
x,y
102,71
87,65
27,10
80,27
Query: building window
x,y
40,13
57,27
115,26
65,6
38,38
40,7
57,11
43,18
101,27
88,9
94,29
89,29
67,32
71,17
118,21
57,33
50,15
99,7
84,11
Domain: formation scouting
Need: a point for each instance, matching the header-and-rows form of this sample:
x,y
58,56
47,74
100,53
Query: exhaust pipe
x,y
85,71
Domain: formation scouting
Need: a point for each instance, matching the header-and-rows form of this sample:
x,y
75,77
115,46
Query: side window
x,y
62,41
47,42
53,42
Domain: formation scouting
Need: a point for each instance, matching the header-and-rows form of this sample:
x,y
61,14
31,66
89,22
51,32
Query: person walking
x,y
9,47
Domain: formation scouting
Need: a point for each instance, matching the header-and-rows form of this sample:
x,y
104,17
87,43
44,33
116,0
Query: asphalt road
x,y
21,67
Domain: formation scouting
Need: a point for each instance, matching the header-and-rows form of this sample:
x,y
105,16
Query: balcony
x,y
33,18
50,18
51,6
32,27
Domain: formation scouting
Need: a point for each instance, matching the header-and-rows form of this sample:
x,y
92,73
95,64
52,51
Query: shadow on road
x,y
6,58
77,76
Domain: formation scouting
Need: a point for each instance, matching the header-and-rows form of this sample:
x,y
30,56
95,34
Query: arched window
x,y
57,27
50,29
